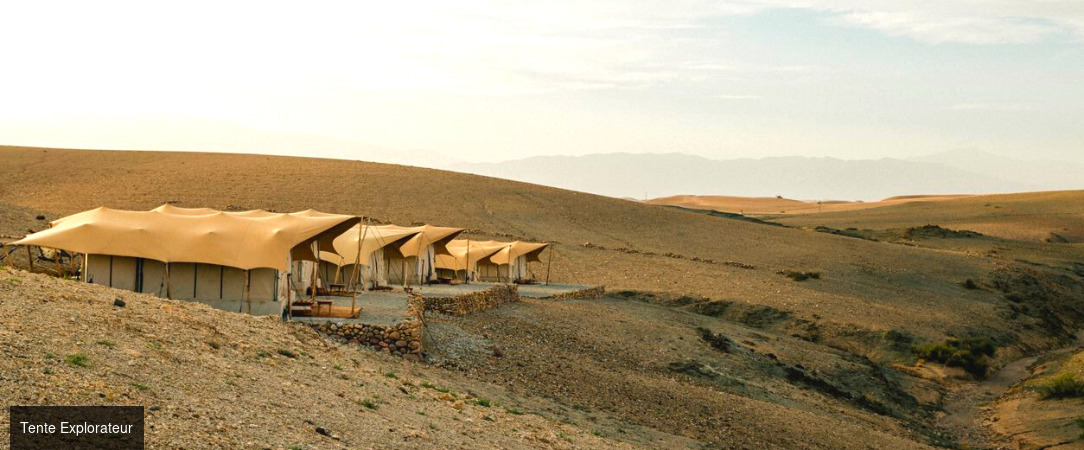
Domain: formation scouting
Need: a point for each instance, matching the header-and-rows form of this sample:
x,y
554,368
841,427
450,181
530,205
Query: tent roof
x,y
245,240
518,248
458,254
426,235
360,241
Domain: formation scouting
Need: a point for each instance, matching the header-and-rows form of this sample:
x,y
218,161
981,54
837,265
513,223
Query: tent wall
x,y
218,286
398,270
376,273
487,271
520,268
410,270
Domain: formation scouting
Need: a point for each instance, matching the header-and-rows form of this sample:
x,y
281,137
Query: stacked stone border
x,y
582,294
403,339
464,304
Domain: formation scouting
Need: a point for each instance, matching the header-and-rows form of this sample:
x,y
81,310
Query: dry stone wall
x,y
402,339
582,294
474,301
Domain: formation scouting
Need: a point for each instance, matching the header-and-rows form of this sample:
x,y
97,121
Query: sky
x,y
497,80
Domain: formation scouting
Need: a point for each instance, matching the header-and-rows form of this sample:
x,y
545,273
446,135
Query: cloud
x,y
977,22
1002,107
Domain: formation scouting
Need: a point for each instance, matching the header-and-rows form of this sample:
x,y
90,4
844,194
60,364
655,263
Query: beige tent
x,y
515,259
470,259
414,262
234,261
371,246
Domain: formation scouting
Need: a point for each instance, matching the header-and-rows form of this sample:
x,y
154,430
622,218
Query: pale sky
x,y
494,80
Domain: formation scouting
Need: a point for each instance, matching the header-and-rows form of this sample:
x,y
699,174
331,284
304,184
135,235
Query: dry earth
x,y
636,362
214,379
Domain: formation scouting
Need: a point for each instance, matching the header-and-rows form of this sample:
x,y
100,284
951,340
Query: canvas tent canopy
x,y
369,246
489,260
222,258
464,257
414,261
516,258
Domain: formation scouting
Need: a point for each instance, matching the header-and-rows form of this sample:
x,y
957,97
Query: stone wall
x,y
401,339
582,294
474,301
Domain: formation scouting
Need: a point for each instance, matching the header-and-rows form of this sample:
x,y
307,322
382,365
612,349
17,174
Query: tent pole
x,y
289,297
169,292
315,267
549,264
466,279
248,289
30,258
56,259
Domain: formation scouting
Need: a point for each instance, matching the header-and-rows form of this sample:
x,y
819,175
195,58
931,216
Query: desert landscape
x,y
944,322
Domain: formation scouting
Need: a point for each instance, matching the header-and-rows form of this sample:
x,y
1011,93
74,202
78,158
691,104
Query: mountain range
x,y
642,176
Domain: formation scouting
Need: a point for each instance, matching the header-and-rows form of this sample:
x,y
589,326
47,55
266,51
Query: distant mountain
x,y
658,175
190,133
1046,175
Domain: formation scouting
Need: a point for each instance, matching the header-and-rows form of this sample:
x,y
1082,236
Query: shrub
x,y
970,284
801,276
78,359
368,404
107,343
485,403
391,375
286,353
717,341
969,354
139,386
1066,385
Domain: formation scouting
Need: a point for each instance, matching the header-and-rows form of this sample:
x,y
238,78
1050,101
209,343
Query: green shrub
x,y
801,276
391,375
485,403
78,359
107,343
286,353
1066,385
368,404
139,386
970,354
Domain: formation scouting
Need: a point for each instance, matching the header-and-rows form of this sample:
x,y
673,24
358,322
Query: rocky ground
x,y
214,379
763,391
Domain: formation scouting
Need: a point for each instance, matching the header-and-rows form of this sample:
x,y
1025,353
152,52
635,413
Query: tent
x,y
469,259
414,262
231,260
515,259
370,246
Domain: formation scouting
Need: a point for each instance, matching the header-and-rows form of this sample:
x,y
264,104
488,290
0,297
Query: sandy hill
x,y
1038,216
833,349
213,379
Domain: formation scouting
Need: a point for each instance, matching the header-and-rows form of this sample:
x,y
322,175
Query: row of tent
x,y
262,261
